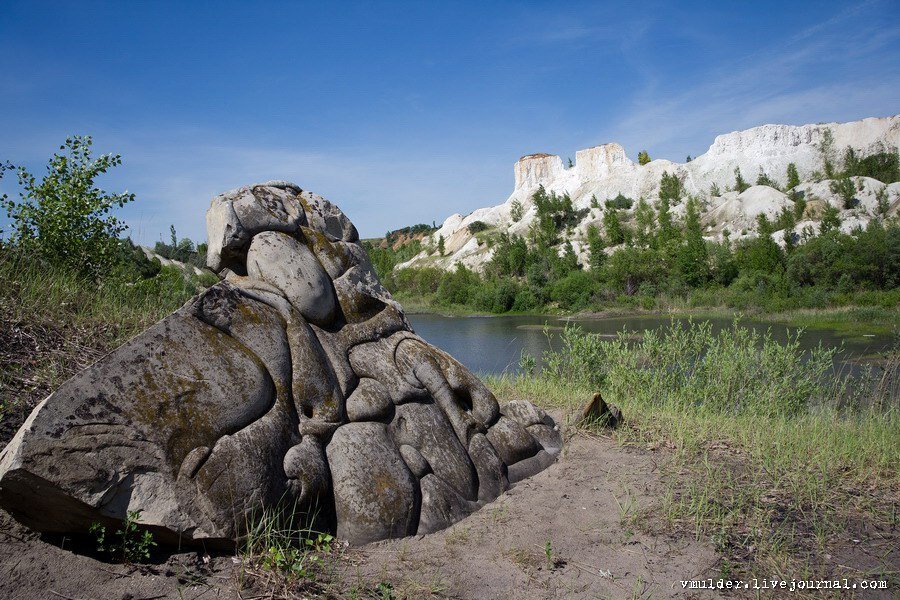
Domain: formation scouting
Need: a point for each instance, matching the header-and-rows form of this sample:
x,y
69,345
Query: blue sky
x,y
407,112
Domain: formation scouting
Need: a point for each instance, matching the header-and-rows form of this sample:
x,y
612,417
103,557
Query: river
x,y
493,344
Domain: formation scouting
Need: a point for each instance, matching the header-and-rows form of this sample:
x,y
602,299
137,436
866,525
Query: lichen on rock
x,y
296,381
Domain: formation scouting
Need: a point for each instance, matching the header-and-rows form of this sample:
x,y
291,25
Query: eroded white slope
x,y
605,171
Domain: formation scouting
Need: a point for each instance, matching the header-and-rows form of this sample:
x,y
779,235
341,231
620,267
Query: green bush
x,y
574,291
846,189
457,286
133,544
525,300
740,184
620,202
477,227
65,218
883,166
670,188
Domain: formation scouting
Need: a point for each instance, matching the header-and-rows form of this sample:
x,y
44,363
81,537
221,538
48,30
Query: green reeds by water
x,y
770,452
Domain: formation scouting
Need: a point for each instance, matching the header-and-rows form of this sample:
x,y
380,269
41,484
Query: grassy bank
x,y
786,470
54,322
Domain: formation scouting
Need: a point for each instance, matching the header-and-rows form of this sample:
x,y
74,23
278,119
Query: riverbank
x,y
787,473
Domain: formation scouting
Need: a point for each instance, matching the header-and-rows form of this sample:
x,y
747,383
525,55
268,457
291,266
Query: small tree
x,y
596,255
440,246
763,225
831,219
670,188
65,218
714,189
844,188
644,218
692,255
477,227
666,230
4,167
793,178
643,157
799,206
516,211
571,163
763,179
740,185
615,232
826,151
882,202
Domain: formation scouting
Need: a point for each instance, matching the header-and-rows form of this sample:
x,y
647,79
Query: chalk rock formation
x,y
604,171
294,382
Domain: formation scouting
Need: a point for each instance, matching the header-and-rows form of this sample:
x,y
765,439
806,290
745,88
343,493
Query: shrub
x,y
65,218
844,188
619,202
477,227
740,185
793,178
670,188
825,147
525,300
133,545
421,282
643,157
612,225
596,255
457,286
763,179
883,166
574,291
516,211
831,219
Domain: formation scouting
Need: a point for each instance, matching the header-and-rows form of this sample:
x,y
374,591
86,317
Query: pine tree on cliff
x,y
643,157
692,256
644,217
740,184
615,232
793,178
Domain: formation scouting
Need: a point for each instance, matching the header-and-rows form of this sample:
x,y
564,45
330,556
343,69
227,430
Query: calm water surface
x,y
493,344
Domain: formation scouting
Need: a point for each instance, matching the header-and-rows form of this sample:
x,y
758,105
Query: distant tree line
x,y
656,256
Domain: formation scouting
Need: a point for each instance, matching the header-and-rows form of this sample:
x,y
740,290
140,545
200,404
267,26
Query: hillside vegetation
x,y
658,254
71,289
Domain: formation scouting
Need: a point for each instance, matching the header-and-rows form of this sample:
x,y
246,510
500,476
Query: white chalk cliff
x,y
605,171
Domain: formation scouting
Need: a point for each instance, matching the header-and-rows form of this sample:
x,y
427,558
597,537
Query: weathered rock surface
x,y
296,381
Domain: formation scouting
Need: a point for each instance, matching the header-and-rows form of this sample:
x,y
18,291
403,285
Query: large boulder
x,y
294,382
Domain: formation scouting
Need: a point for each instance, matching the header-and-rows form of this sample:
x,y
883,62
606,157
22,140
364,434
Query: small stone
x,y
597,411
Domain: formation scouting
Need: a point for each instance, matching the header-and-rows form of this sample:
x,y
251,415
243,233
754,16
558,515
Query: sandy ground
x,y
591,507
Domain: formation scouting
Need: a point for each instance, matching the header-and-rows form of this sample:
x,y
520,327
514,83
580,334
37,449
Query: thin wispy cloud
x,y
771,85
